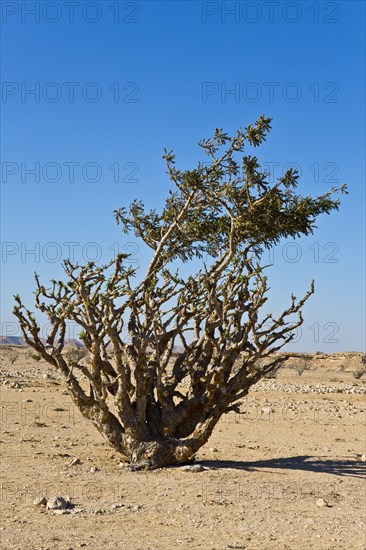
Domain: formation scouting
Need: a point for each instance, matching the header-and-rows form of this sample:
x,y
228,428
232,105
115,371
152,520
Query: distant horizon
x,y
177,349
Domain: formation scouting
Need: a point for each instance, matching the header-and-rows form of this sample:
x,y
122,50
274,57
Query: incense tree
x,y
195,344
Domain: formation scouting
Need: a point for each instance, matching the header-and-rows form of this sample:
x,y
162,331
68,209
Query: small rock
x,y
321,502
363,458
57,503
213,450
137,507
193,468
94,469
40,501
75,461
116,506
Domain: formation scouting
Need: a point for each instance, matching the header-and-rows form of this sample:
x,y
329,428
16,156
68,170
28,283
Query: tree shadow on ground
x,y
338,467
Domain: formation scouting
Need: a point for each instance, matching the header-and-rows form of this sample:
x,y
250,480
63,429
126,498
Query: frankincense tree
x,y
154,405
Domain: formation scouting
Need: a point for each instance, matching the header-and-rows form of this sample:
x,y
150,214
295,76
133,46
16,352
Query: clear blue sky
x,y
116,82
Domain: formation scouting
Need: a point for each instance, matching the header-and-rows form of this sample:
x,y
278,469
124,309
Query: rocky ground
x,y
285,473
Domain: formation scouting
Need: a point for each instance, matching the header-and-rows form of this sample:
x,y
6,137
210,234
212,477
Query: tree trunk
x,y
141,451
169,451
148,455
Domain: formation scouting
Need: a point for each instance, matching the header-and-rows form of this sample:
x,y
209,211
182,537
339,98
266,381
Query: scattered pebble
x,y
40,501
321,502
58,503
193,468
116,506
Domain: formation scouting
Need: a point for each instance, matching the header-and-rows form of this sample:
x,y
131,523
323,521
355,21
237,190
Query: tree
x,y
155,405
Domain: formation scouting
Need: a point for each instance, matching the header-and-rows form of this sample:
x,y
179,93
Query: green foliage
x,y
231,199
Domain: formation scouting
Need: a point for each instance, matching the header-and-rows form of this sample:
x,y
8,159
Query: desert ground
x,y
285,473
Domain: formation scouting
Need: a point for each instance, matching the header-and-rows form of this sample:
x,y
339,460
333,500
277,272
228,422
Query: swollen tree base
x,y
142,454
149,455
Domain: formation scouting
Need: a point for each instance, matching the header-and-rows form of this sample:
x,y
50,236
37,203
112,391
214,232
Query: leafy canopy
x,y
229,203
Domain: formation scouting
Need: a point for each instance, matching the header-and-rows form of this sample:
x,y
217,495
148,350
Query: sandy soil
x,y
297,440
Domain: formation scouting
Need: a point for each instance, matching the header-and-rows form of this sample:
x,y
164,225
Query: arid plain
x,y
285,473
